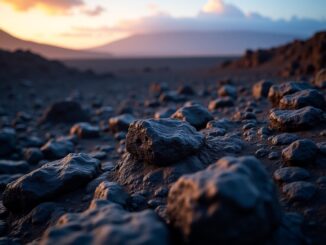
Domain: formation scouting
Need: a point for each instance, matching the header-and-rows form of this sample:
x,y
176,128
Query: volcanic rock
x,y
152,140
112,192
300,152
214,206
50,181
33,155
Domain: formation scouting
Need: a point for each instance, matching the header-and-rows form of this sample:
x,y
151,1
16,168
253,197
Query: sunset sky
x,y
88,23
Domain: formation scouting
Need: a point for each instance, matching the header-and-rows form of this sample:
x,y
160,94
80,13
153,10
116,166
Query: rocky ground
x,y
164,156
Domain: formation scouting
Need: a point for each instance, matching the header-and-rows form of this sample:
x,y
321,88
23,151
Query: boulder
x,y
300,99
216,205
292,120
107,223
50,181
300,152
197,115
151,140
65,112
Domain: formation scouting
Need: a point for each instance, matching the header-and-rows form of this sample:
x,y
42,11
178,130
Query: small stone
x,y
164,113
33,155
111,191
300,152
197,115
151,140
7,141
120,123
299,191
228,90
85,130
186,90
13,167
273,155
290,174
284,139
55,149
261,89
220,103
290,120
320,79
260,153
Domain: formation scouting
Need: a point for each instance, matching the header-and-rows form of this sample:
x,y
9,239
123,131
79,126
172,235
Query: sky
x,y
89,23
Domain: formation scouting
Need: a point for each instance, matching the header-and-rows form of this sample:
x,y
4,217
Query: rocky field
x,y
195,155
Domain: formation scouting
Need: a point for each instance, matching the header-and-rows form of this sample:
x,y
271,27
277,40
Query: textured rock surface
x,y
220,103
65,112
85,130
284,139
49,181
55,149
216,205
308,97
112,192
300,152
261,89
107,223
291,120
299,190
120,123
196,115
290,174
320,79
162,141
13,167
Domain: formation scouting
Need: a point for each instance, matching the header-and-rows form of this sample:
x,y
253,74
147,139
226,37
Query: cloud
x,y
54,7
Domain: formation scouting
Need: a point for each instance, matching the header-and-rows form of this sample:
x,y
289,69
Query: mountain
x,y
193,43
11,43
291,59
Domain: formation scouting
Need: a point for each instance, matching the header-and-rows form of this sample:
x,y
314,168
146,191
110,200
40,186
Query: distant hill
x,y
294,58
193,43
11,43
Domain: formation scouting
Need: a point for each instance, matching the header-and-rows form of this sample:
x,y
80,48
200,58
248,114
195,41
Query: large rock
x,y
300,152
308,97
261,89
231,202
107,223
65,112
197,115
162,141
276,92
49,181
7,141
292,120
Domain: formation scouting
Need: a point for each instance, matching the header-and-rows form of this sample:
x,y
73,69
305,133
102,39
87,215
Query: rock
x,y
228,90
50,181
105,112
65,112
284,139
85,130
107,223
5,179
290,174
300,99
300,152
276,92
13,167
260,89
171,96
197,115
322,147
291,120
120,123
55,149
33,155
164,113
7,141
186,90
220,103
299,191
112,192
261,152
158,88
151,140
320,79
215,205
244,115
273,155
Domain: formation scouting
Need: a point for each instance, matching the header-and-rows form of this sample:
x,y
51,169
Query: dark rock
x,y
300,152
320,79
120,123
322,147
290,174
105,112
85,130
215,206
300,99
171,96
284,139
151,140
5,179
220,103
276,92
55,149
261,89
100,155
273,155
49,181
107,223
186,90
7,141
197,115
243,115
164,113
228,90
291,120
33,155
158,88
13,167
299,191
112,192
261,152
65,112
